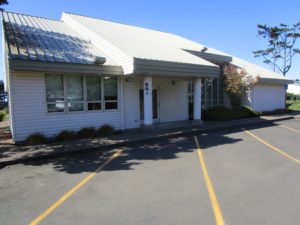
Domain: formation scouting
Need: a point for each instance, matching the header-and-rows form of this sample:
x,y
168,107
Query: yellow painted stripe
x,y
73,190
289,128
210,187
272,147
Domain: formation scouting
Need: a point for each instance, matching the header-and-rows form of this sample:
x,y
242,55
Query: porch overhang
x,y
174,69
55,67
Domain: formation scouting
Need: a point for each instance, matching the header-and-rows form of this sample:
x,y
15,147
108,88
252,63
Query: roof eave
x,y
175,69
274,81
55,67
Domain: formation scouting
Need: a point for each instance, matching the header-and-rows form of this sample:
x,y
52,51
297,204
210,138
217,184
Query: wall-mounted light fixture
x,y
99,60
204,49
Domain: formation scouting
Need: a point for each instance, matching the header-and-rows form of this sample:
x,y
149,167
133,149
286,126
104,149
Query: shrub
x,y
66,135
35,139
236,84
87,132
2,115
275,112
223,113
105,130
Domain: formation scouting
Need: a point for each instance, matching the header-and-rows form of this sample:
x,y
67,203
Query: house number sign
x,y
146,88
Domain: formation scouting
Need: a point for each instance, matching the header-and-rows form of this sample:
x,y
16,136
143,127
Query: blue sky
x,y
230,26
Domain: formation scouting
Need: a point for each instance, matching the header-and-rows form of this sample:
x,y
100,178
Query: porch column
x,y
197,99
148,113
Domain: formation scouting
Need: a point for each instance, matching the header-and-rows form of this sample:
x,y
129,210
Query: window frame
x,y
85,101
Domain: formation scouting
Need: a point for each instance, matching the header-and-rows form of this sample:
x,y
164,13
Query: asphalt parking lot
x,y
248,175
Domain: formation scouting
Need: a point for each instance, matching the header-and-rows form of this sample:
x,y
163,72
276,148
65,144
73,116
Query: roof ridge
x,y
121,23
24,14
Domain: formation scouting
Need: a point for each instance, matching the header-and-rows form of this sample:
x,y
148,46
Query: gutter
x,y
274,81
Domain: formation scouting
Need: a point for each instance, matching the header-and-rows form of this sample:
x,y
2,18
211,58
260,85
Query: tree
x,y
236,84
281,46
1,87
3,2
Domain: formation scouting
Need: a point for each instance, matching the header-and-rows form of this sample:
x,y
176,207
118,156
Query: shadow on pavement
x,y
167,149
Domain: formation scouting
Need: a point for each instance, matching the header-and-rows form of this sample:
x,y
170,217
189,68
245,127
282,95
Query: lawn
x,y
293,105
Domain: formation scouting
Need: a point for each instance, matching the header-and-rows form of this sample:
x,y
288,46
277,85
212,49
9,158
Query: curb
x,y
130,143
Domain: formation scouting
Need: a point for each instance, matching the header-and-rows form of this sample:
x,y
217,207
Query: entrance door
x,y
154,105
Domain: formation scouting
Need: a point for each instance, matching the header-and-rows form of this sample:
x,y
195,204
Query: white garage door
x,y
268,97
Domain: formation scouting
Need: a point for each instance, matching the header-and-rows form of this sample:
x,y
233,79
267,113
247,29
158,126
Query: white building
x,y
294,88
81,71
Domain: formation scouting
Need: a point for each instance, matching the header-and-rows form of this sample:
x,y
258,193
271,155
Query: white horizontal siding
x,y
90,33
30,113
268,97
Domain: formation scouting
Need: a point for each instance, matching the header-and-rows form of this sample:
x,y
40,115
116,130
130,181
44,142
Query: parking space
x,y
164,182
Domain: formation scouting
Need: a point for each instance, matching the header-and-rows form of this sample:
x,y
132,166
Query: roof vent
x,y
100,60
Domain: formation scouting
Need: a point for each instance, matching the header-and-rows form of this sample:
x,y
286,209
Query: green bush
x,y
87,132
222,113
65,135
275,112
2,115
35,139
105,130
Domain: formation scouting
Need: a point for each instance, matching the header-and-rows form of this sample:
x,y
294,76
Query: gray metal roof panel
x,y
40,39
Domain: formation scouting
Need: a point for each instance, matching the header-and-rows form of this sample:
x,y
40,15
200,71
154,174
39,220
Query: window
x,y
110,93
208,92
93,90
55,93
212,92
73,93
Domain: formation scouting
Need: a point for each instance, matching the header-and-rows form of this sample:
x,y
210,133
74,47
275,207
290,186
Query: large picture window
x,y
75,93
212,93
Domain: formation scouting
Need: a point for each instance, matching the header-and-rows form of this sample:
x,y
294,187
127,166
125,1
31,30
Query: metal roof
x,y
156,45
142,43
40,39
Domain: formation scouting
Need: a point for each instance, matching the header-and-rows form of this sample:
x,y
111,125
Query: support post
x,y
148,108
197,99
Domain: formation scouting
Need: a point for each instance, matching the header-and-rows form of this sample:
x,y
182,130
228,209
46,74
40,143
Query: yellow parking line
x,y
73,190
210,187
272,147
289,128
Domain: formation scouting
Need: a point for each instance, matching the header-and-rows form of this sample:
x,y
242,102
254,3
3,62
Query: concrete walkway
x,y
13,154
